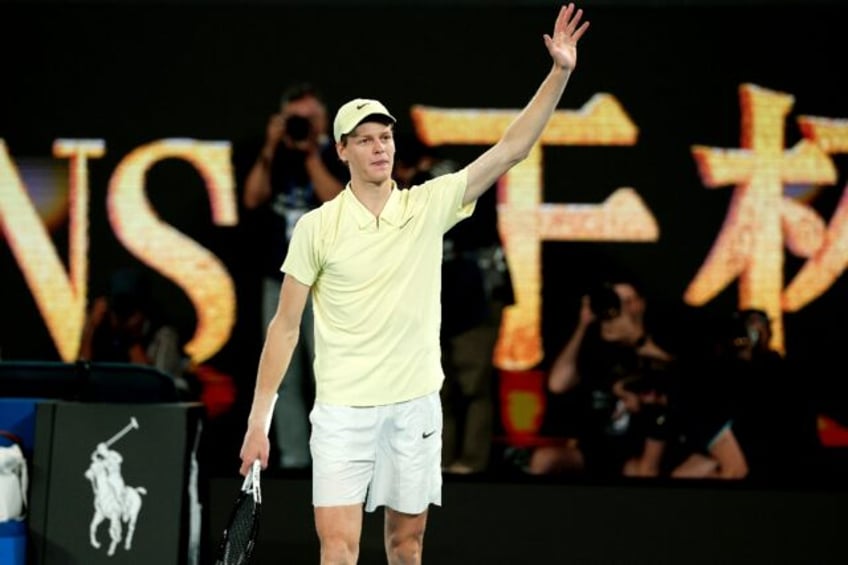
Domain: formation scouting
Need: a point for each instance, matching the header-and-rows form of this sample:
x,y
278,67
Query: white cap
x,y
354,113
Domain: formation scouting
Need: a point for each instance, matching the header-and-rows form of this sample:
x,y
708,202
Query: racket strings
x,y
240,534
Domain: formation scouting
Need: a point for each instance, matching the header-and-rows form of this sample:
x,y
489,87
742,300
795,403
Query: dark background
x,y
503,523
132,72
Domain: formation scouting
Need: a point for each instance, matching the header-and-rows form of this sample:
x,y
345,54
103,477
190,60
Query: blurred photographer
x,y
125,325
615,310
610,342
292,170
476,287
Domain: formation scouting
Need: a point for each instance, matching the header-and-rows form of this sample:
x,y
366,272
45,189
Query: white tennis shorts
x,y
381,455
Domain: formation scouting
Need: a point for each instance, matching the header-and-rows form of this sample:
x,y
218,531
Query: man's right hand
x,y
586,314
255,446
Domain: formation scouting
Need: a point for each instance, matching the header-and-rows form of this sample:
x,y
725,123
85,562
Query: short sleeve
x,y
302,259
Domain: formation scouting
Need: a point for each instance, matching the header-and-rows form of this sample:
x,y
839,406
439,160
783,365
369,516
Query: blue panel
x,y
17,415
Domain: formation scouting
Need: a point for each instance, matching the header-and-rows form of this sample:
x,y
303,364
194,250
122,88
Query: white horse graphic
x,y
113,499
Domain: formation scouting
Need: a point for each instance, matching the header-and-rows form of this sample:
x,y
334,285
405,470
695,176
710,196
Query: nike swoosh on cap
x,y
361,106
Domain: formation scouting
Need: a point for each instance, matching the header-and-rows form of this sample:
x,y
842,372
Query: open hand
x,y
563,44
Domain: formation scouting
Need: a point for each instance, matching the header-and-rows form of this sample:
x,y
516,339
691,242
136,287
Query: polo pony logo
x,y
113,499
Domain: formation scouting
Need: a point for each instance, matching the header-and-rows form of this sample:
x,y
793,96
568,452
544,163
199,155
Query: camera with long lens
x,y
298,128
604,302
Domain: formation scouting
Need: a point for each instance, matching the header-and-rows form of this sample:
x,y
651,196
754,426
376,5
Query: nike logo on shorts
x,y
425,435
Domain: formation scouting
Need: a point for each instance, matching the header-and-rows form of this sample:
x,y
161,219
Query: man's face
x,y
631,303
369,150
627,326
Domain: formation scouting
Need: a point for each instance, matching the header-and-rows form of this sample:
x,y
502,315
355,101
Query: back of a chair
x,y
86,382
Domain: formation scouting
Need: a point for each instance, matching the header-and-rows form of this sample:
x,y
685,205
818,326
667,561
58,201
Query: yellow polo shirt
x,y
376,290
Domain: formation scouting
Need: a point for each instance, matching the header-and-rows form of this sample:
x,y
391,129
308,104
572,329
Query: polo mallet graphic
x,y
133,425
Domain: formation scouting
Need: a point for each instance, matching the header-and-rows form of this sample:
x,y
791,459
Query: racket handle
x,y
252,475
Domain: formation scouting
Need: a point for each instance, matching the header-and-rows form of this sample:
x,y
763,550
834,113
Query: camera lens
x,y
298,128
605,302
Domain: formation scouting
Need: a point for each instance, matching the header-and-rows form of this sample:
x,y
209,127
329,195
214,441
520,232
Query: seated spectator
x,y
610,342
123,327
687,427
736,412
771,406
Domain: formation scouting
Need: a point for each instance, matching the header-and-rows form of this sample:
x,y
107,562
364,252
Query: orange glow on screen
x,y
761,221
197,271
61,296
525,220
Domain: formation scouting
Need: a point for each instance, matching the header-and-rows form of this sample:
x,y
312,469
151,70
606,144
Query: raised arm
x,y
257,185
527,127
563,375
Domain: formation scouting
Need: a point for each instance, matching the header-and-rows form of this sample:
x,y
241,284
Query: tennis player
x,y
371,258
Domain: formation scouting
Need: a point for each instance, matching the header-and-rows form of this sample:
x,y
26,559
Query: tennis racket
x,y
239,537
